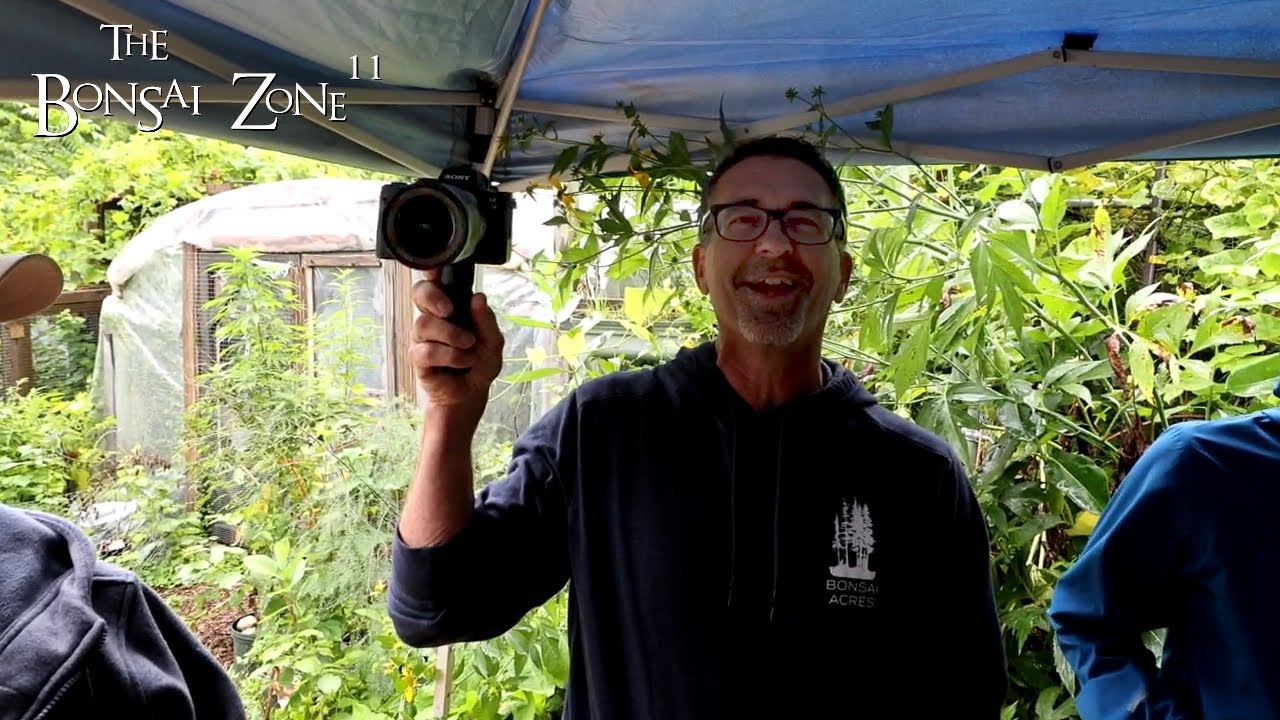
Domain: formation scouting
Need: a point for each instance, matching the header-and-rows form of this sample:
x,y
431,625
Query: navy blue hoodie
x,y
1190,542
80,638
723,562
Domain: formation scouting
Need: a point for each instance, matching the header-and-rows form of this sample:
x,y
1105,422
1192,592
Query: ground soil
x,y
209,612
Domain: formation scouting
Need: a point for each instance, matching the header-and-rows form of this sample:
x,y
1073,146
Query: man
x,y
79,638
744,531
1189,543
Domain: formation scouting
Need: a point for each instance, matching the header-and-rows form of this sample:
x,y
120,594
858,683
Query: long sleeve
x,y
510,558
1122,585
976,676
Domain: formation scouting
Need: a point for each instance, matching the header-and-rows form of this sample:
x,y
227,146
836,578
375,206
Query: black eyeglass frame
x,y
837,217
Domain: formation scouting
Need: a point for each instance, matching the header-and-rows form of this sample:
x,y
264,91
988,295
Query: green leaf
x,y
1001,260
1079,478
980,272
1213,333
679,149
530,376
1144,298
262,566
565,160
525,321
911,358
1079,391
726,135
1256,378
1167,325
973,393
524,711
328,684
309,665
883,125
938,415
1142,368
1077,371
1018,215
1046,705
1259,209
1130,251
1054,206
869,337
1012,300
1229,225
1024,621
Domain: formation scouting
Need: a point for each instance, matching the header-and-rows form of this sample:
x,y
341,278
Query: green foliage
x,y
286,445
48,448
80,197
63,352
1048,326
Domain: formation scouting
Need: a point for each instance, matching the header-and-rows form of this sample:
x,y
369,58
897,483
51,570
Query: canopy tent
x,y
1035,85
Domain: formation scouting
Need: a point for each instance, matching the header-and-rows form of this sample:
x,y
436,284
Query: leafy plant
x,y
49,448
1018,315
1048,326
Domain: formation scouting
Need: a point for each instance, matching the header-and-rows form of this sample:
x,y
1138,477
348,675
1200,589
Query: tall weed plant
x,y
311,469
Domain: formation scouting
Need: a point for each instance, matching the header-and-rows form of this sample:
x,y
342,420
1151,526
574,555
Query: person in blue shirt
x,y
1190,543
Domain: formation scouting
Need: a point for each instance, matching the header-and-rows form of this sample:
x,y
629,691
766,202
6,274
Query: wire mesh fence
x,y
56,349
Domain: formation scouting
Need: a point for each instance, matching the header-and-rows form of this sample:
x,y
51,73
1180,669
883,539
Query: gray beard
x,y
771,324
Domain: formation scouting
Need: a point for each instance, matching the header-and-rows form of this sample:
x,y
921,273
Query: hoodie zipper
x,y
67,685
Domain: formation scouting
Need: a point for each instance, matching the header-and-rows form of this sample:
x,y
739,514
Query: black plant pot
x,y
243,631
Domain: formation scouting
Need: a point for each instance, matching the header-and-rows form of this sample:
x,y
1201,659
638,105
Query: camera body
x,y
433,223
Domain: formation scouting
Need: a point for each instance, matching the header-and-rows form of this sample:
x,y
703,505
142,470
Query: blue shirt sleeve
x,y
1123,585
511,557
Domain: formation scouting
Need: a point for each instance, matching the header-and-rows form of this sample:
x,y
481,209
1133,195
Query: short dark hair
x,y
777,146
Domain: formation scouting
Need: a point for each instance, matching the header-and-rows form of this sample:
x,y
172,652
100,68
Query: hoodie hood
x,y
840,393
47,621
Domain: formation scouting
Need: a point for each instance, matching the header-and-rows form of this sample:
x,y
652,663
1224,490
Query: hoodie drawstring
x,y
777,535
733,506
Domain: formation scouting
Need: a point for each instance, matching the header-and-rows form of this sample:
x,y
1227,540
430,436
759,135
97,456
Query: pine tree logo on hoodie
x,y
852,544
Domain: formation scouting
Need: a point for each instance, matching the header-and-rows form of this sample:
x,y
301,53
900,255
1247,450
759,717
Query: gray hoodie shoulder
x,y
80,635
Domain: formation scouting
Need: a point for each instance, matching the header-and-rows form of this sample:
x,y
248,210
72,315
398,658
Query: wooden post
x,y
401,311
17,352
444,677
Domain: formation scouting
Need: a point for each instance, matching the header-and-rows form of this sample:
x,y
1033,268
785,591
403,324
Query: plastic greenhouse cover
x,y
143,314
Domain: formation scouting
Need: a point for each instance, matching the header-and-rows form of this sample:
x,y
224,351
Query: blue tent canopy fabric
x,y
1036,85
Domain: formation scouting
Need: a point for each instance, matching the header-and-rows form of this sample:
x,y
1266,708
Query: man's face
x,y
772,291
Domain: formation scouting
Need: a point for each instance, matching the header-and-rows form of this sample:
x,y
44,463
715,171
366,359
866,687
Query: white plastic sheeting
x,y
139,370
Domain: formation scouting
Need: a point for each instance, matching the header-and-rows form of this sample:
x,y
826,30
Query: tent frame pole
x,y
1164,141
511,87
1024,63
1186,64
507,100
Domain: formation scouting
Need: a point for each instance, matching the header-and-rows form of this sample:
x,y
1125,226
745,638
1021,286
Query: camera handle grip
x,y
457,281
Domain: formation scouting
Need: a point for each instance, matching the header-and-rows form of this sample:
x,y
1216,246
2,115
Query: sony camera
x,y
456,219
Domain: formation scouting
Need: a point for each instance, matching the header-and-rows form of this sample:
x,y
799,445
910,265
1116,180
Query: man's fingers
x,y
487,333
429,297
429,328
425,355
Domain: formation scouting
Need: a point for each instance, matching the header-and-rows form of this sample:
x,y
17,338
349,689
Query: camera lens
x,y
425,225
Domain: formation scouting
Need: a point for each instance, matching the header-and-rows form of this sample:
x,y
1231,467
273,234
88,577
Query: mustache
x,y
757,269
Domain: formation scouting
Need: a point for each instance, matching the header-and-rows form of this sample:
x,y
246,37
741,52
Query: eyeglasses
x,y
746,223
